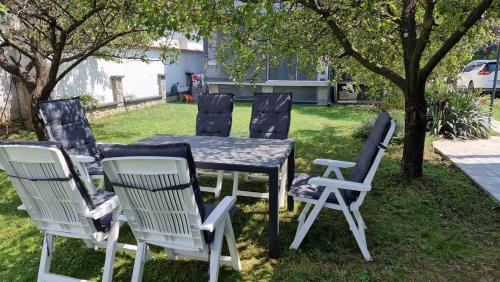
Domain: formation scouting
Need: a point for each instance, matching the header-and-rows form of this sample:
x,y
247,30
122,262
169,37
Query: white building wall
x,y
93,76
9,105
188,61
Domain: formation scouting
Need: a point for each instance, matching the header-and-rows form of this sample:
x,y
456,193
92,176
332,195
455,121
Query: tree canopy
x,y
41,41
399,43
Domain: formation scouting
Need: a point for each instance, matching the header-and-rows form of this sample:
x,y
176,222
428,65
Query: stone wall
x,y
108,109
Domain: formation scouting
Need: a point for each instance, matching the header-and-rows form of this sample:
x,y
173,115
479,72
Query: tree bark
x,y
36,119
415,128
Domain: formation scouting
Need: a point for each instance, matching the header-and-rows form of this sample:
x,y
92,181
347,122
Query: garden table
x,y
244,155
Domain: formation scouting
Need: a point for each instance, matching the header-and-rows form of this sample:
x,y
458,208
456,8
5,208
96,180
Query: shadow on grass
x,y
439,227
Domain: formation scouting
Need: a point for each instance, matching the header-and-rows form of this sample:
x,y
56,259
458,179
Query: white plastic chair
x,y
340,194
54,198
159,202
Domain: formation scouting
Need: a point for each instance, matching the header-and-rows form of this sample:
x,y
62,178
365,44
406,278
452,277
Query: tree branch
x,y
455,37
14,69
427,24
349,49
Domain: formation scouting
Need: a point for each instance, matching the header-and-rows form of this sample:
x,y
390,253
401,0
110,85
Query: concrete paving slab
x,y
479,159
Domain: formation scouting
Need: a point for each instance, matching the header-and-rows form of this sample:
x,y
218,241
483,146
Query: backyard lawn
x,y
441,227
496,109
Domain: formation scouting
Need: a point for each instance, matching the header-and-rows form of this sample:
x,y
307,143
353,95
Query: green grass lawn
x,y
441,227
496,109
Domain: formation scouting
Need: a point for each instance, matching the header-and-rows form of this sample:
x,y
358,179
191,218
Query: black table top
x,y
231,151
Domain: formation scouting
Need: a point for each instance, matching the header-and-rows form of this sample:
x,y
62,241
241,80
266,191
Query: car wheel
x,y
471,85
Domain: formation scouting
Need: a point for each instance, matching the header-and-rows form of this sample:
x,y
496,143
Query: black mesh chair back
x,y
66,123
271,114
215,114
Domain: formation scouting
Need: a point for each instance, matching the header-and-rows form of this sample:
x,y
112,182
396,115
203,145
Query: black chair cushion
x,y
209,208
271,115
370,150
94,168
68,124
179,150
301,188
92,201
214,114
102,224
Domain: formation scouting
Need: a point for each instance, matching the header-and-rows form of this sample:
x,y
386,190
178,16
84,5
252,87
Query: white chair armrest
x,y
218,214
335,163
81,159
104,208
341,184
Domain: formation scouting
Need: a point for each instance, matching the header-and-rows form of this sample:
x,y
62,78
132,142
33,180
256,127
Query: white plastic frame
x,y
356,223
170,218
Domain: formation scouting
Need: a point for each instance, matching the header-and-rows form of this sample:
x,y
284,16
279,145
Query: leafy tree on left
x,y
41,41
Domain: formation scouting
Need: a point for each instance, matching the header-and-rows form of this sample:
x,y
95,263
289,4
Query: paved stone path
x,y
495,125
479,159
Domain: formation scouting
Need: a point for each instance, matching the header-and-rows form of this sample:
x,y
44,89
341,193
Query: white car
x,y
479,74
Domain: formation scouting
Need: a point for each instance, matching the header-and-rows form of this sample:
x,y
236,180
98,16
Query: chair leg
x,y
218,186
215,253
302,216
46,258
361,224
236,177
140,259
89,244
282,191
231,243
170,254
356,231
112,242
301,233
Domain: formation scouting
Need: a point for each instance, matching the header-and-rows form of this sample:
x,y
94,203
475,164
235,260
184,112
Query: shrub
x,y
365,128
457,115
88,101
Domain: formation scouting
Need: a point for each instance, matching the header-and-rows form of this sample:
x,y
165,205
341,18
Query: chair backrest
x,y
159,193
271,114
66,122
369,158
49,188
215,114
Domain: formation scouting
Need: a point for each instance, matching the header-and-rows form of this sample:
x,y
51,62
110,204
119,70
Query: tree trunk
x,y
415,128
36,119
39,93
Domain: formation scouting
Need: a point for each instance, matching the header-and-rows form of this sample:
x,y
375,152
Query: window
x,y
469,68
491,67
288,69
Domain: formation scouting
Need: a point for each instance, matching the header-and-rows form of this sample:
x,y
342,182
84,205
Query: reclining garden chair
x,y
158,189
271,116
214,118
339,194
66,122
58,203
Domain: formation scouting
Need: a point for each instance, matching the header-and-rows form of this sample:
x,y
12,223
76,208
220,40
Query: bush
x,y
457,115
88,101
364,130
